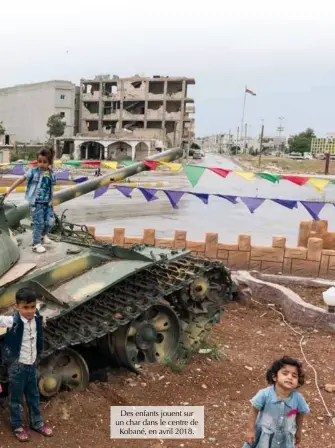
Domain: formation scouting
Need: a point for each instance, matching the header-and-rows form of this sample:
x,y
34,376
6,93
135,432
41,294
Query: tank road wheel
x,y
66,369
152,337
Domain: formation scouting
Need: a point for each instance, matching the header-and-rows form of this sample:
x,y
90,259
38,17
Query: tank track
x,y
130,298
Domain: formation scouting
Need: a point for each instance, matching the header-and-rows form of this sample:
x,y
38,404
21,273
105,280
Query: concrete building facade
x,y
145,107
25,109
323,145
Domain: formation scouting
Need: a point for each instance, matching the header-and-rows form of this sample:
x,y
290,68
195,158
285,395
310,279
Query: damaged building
x,y
129,117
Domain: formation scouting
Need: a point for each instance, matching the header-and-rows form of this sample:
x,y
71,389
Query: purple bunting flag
x,y
313,208
286,203
252,203
79,180
100,191
18,170
231,199
203,196
63,175
148,193
174,197
126,191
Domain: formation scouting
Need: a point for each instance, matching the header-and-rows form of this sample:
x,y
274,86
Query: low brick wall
x,y
311,261
316,229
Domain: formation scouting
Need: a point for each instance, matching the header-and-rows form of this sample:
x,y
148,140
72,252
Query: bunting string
x,y
193,172
252,203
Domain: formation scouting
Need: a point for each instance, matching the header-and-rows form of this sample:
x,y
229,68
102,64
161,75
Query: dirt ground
x,y
243,346
285,165
312,295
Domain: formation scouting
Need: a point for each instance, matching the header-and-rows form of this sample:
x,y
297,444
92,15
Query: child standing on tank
x,y
39,194
23,343
276,415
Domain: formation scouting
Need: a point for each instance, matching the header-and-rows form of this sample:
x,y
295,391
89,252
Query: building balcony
x,y
113,116
155,114
173,116
86,115
95,96
130,116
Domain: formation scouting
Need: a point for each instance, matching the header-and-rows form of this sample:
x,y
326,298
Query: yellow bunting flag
x,y
174,167
111,165
319,184
58,162
247,175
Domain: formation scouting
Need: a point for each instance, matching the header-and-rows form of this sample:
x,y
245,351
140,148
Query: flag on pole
x,y
250,91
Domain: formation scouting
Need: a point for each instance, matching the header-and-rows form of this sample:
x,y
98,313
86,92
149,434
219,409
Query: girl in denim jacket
x,y
277,411
39,194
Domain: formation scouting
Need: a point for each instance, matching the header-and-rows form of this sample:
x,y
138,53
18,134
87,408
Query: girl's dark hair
x,y
49,153
280,363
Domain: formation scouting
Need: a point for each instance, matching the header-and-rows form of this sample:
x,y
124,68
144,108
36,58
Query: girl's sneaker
x,y
46,240
39,249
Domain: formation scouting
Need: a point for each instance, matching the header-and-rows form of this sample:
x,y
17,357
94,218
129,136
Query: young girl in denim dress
x,y
39,194
277,411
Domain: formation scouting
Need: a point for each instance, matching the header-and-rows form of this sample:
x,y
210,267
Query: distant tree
x,y
2,128
56,125
301,142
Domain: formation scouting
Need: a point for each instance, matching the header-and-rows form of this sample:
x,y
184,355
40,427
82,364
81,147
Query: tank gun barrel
x,y
15,214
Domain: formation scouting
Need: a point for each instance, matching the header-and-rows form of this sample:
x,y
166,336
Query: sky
x,y
284,51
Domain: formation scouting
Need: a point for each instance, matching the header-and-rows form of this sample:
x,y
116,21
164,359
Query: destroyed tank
x,y
129,306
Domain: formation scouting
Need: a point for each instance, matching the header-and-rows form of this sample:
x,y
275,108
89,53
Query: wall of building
x,y
25,109
4,155
310,261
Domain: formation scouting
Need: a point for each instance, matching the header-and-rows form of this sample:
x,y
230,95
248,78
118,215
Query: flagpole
x,y
243,110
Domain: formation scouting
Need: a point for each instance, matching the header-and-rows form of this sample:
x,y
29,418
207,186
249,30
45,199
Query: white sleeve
x,y
6,321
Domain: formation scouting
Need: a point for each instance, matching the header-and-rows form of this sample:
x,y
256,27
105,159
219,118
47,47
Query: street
x,y
228,220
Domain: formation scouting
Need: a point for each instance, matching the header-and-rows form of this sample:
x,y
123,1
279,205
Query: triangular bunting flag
x,y
252,203
18,170
231,199
174,167
174,197
286,203
92,162
63,175
152,164
319,184
79,180
100,191
72,163
148,193
313,208
128,162
125,190
111,165
57,162
298,180
270,177
247,175
193,173
220,171
202,196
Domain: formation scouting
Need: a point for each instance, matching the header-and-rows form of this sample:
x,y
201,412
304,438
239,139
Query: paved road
x,y
114,210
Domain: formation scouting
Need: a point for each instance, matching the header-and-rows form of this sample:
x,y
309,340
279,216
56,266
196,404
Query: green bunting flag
x,y
73,163
271,177
127,162
193,173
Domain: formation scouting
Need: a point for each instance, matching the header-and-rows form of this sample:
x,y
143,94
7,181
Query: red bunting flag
x,y
92,162
152,164
298,180
220,171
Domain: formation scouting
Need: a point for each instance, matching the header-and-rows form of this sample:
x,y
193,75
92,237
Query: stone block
x,y
244,243
227,246
255,265
272,267
331,263
279,242
223,254
331,274
287,266
180,239
320,226
165,242
238,260
296,252
119,236
196,246
211,245
91,230
106,239
305,268
132,240
314,249
149,236
267,254
324,266
304,231
328,252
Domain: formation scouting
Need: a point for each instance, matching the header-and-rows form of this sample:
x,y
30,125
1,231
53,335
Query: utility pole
x,y
280,130
260,145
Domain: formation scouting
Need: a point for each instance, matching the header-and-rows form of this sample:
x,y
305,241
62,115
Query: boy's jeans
x,y
43,221
23,381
